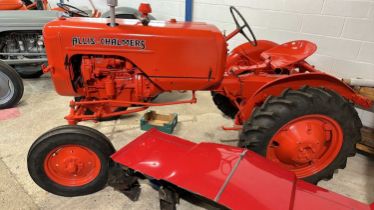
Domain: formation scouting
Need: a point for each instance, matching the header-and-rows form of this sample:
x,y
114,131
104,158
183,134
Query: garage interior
x,y
343,30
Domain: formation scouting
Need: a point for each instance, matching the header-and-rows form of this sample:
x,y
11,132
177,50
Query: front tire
x,y
70,161
11,86
311,131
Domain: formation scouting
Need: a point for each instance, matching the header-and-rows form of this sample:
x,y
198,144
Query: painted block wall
x,y
342,29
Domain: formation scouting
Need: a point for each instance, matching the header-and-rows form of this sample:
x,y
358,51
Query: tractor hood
x,y
26,19
192,53
233,177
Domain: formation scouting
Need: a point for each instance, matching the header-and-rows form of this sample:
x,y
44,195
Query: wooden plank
x,y
367,141
365,148
366,91
367,136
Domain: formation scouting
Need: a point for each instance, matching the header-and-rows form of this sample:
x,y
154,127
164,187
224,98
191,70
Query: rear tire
x,y
304,107
11,86
225,105
70,161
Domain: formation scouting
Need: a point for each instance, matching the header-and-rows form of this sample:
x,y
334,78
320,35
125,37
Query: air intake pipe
x,y
112,6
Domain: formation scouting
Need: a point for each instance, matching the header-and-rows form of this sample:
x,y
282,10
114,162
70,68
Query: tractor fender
x,y
297,81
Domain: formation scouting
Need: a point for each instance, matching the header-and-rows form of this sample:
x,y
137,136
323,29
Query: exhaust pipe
x,y
112,5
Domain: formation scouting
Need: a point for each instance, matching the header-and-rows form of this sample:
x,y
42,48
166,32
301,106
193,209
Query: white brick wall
x,y
342,29
347,8
359,29
323,25
304,6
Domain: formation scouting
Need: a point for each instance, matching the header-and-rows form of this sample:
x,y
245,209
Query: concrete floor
x,y
42,109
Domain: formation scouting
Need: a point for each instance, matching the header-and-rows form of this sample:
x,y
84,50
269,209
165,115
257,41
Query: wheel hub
x,y
6,88
72,165
307,144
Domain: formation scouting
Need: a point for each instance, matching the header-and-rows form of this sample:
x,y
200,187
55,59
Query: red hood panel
x,y
188,165
234,177
310,197
260,184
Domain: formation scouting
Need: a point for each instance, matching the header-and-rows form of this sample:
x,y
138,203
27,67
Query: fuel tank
x,y
174,55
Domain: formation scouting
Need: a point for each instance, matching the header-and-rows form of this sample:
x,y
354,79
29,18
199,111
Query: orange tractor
x,y
44,5
286,109
23,5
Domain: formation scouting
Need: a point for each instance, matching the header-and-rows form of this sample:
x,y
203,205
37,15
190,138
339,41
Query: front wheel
x,y
70,161
11,86
311,132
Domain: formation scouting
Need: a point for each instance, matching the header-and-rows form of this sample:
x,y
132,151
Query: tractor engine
x,y
24,51
21,42
110,77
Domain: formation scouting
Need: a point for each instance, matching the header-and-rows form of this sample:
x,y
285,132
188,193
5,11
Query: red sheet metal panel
x,y
260,184
188,165
234,177
310,197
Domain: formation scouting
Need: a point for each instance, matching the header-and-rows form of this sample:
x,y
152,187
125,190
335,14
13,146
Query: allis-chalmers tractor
x,y
287,110
21,42
23,5
21,24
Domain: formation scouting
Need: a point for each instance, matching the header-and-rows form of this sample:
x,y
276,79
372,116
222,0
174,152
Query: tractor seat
x,y
289,53
12,5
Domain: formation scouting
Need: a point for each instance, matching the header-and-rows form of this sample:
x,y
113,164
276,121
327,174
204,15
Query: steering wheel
x,y
72,10
240,28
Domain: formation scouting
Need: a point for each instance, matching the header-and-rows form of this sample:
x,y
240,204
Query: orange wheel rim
x,y
306,145
72,165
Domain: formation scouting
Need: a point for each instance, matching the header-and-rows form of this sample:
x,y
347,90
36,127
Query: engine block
x,y
104,77
19,45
